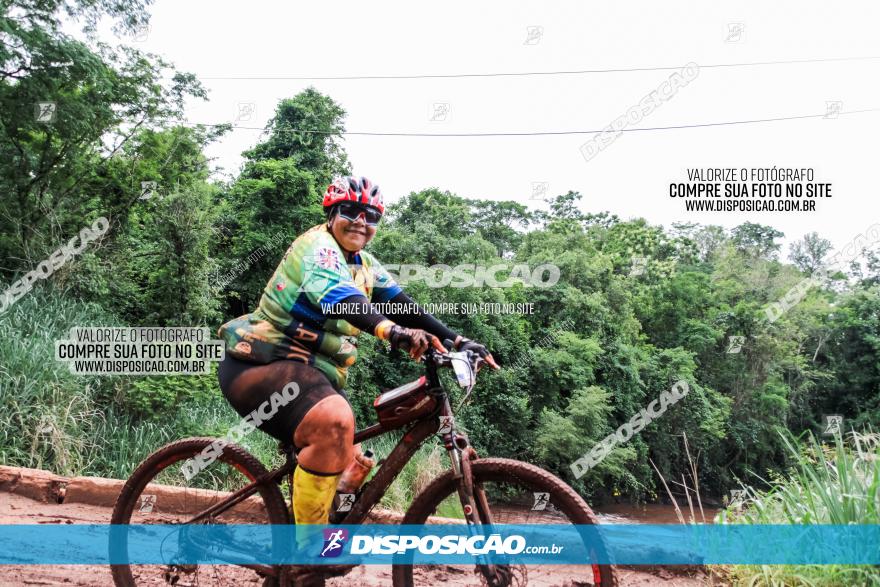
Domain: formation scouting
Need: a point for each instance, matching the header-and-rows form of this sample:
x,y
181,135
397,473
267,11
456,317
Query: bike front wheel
x,y
515,493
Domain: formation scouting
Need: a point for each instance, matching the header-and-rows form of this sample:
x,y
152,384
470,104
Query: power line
x,y
531,73
532,134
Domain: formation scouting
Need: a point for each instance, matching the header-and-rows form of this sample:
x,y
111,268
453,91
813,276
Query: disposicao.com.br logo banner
x,y
632,544
425,544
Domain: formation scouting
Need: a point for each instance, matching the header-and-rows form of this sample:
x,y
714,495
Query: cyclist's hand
x,y
414,340
466,344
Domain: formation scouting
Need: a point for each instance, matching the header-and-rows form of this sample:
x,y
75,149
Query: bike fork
x,y
473,498
475,505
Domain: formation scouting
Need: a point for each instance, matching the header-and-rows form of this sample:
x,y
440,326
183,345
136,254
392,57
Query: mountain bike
x,y
238,489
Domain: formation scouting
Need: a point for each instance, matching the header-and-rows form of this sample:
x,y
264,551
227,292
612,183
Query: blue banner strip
x,y
630,544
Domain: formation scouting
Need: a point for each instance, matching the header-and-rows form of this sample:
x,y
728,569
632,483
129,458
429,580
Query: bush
x,y
837,484
157,396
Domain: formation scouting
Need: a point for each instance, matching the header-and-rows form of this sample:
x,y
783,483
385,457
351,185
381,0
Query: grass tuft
x,y
829,484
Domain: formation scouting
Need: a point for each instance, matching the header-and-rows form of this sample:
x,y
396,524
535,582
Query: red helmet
x,y
352,189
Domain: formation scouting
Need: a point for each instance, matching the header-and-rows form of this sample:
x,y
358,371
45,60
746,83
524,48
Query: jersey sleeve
x,y
384,286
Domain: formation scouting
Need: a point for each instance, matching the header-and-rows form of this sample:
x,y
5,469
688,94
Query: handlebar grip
x,y
449,344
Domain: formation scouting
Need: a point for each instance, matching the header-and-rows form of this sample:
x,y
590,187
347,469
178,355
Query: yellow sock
x,y
312,496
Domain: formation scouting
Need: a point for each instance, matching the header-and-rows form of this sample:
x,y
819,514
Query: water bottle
x,y
356,472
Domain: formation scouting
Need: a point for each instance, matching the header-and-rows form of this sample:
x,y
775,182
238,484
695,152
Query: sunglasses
x,y
352,212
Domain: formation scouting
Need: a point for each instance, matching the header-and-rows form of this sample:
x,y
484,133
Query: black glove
x,y
466,344
413,340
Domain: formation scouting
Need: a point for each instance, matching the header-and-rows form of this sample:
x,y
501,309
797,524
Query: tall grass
x,y
691,488
48,413
828,484
86,424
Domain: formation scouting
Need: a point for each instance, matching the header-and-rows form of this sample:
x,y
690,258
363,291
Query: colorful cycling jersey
x,y
291,321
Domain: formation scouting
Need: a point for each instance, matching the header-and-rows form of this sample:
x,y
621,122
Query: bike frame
x,y
473,499
371,493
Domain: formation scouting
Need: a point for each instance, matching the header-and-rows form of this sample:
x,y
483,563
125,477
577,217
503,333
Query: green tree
x,y
277,197
94,101
809,252
853,356
501,223
156,268
306,130
756,239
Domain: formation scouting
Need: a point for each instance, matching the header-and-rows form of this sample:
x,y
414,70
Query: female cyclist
x,y
318,300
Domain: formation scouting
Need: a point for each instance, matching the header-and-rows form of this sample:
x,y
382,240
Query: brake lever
x,y
473,364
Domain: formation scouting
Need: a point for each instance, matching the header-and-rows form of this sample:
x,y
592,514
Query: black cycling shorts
x,y
246,386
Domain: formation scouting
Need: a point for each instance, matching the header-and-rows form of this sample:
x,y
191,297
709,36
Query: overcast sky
x,y
221,39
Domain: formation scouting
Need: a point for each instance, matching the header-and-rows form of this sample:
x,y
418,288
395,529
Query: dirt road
x,y
16,509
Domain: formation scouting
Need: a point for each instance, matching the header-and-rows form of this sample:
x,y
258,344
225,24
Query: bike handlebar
x,y
444,359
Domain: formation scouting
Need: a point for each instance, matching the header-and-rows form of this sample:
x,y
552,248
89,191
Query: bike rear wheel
x,y
510,488
159,492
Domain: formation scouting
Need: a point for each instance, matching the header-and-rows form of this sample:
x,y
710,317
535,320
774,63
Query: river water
x,y
651,513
